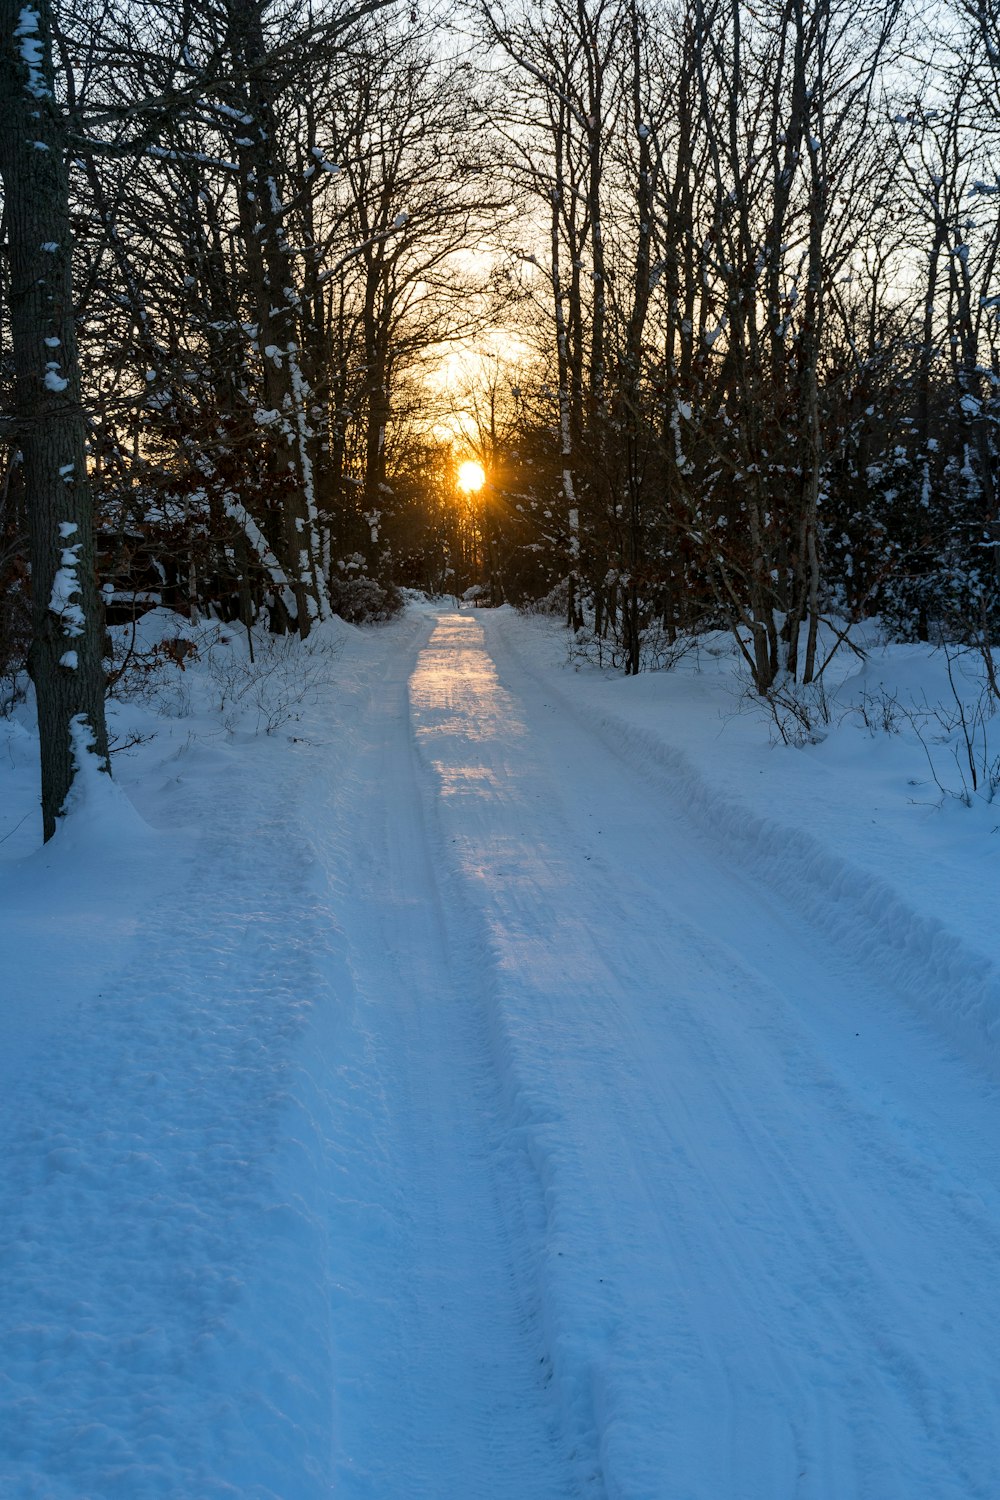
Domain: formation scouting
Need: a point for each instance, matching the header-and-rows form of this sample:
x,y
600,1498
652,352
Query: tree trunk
x,y
272,285
65,659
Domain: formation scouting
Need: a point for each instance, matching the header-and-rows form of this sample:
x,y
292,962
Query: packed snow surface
x,y
450,1076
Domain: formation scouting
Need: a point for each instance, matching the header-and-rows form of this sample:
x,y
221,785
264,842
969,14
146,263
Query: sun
x,y
471,476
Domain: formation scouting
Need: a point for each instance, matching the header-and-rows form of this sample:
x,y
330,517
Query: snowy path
x,y
481,1129
749,1203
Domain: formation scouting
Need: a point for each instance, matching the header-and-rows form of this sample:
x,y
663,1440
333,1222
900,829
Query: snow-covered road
x,y
542,1147
760,1199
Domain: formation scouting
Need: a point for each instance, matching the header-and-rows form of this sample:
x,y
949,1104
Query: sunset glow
x,y
471,476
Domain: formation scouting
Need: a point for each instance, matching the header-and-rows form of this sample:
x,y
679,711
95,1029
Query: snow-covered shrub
x,y
880,712
363,601
963,732
959,733
141,670
795,713
555,602
954,601
658,652
262,691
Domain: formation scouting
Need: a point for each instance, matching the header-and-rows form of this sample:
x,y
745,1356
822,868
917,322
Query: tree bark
x,y
66,651
277,305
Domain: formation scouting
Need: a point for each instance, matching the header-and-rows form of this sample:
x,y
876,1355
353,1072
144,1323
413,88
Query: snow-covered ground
x,y
452,1073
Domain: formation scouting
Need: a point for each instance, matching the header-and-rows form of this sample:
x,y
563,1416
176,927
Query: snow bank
x,y
165,1129
850,832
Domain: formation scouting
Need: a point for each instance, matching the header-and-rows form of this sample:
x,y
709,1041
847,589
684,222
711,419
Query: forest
x,y
708,289
500,601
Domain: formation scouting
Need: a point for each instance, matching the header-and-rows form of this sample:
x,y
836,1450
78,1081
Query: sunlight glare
x,y
471,476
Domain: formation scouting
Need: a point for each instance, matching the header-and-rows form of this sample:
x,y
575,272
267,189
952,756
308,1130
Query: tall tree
x,y
66,652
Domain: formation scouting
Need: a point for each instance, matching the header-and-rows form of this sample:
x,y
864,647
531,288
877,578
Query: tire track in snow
x,y
442,1391
744,1284
952,986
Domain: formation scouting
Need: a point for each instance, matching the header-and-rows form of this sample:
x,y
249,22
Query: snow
x,y
32,54
66,584
437,1068
322,163
238,512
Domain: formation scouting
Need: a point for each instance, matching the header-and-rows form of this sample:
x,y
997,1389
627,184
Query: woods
x,y
499,613
710,291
